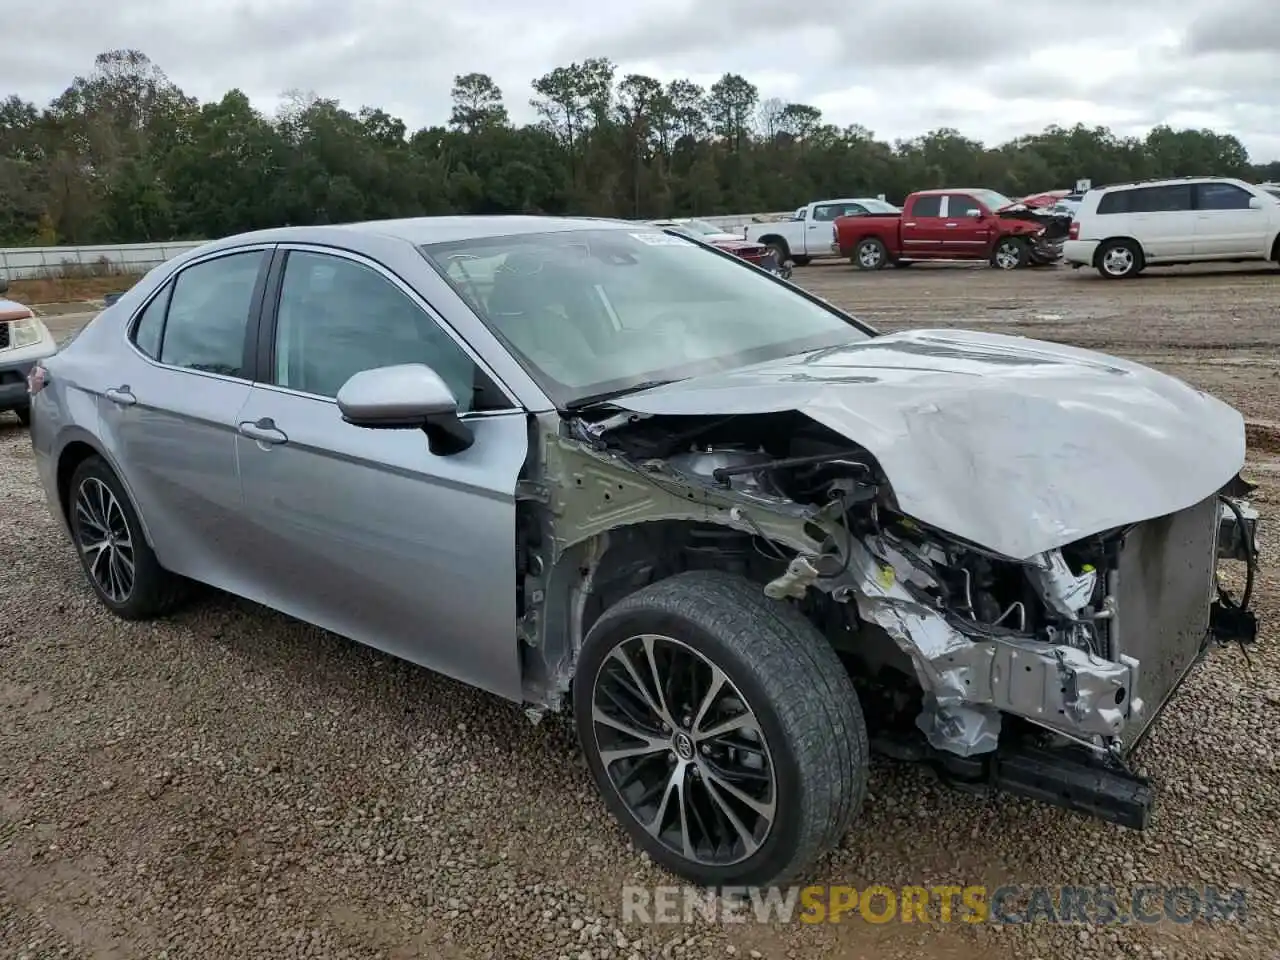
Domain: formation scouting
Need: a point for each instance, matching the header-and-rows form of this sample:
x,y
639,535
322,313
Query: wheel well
x,y
1275,248
1102,245
597,573
73,454
774,238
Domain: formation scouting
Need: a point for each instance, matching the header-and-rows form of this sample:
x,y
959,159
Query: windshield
x,y
993,200
594,312
701,227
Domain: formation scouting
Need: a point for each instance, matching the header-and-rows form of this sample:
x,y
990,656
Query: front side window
x,y
1223,196
959,205
590,312
337,318
208,314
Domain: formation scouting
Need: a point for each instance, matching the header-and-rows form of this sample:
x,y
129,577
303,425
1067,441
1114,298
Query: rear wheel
x,y
117,560
780,251
870,254
801,261
1010,253
721,730
24,414
1119,259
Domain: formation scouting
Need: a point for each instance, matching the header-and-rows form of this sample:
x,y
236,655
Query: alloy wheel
x,y
1007,256
104,538
869,255
1117,261
684,751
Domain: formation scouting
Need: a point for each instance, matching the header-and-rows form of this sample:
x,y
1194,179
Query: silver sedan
x,y
597,465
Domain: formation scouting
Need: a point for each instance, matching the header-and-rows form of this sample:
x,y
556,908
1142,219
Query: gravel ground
x,y
230,783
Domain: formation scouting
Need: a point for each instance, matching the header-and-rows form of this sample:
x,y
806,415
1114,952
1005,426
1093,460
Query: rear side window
x,y
209,315
150,326
1222,196
930,206
1117,201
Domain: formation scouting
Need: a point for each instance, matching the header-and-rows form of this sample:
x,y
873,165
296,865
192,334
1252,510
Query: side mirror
x,y
973,213
407,396
1255,203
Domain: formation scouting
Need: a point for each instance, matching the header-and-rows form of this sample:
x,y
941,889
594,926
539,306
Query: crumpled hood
x,y
1017,445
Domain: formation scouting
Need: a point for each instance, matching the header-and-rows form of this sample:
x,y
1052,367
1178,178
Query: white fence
x,y
25,263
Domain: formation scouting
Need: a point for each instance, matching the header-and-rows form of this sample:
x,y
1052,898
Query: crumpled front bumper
x,y
1044,251
1156,626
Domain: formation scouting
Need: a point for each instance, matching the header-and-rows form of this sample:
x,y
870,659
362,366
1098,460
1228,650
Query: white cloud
x,y
994,69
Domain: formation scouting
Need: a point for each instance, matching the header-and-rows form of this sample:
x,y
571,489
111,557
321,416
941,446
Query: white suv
x,y
1123,228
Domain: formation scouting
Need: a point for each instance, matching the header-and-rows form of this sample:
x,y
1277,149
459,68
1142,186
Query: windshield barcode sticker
x,y
661,240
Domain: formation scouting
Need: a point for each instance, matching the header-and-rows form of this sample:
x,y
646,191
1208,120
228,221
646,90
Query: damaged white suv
x,y
592,463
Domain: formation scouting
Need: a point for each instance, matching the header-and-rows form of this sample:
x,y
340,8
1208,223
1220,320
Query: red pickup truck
x,y
952,224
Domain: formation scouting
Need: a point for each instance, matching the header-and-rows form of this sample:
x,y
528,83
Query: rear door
x,y
367,532
1163,220
821,233
1226,226
170,413
967,237
923,227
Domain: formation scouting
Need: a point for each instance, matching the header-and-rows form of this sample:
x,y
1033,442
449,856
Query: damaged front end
x,y
1038,675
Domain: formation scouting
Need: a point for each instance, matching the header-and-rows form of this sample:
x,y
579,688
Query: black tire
x,y
801,261
788,676
780,251
1119,259
1010,253
24,414
154,591
870,254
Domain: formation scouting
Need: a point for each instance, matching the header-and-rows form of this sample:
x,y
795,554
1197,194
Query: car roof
x,y
425,230
1207,178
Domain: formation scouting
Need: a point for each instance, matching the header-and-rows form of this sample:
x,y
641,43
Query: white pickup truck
x,y
810,233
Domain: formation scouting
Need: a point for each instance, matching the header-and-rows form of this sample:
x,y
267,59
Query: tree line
x,y
123,155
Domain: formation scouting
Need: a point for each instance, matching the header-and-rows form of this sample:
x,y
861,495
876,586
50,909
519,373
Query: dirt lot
x,y
233,784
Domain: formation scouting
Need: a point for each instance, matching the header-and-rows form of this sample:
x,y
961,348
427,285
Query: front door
x,y
366,532
1226,226
169,415
967,237
923,232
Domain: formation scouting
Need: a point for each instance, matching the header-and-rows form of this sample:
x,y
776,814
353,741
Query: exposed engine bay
x,y
945,639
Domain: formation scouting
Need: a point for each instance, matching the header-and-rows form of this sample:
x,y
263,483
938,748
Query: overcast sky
x,y
992,68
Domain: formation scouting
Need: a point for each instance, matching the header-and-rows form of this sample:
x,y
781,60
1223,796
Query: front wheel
x,y
1010,253
1119,259
721,730
870,254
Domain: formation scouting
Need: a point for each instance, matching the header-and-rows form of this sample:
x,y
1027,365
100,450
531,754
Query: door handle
x,y
814,227
953,224
263,431
911,224
121,396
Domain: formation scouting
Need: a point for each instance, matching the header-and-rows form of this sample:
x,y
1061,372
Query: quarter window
x,y
338,317
150,326
208,315
1222,196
